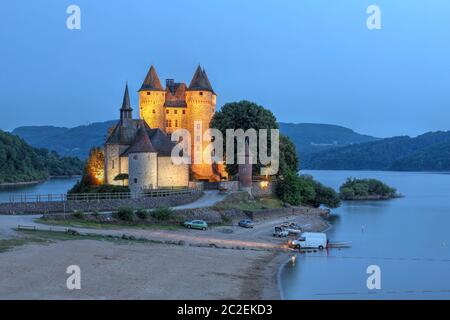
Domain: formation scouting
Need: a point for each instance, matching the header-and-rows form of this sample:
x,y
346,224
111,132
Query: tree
x,y
248,115
326,196
288,156
289,188
359,188
296,190
94,172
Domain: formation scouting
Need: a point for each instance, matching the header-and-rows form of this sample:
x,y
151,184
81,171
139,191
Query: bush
x,y
78,214
162,213
142,214
359,188
326,196
125,214
296,190
96,214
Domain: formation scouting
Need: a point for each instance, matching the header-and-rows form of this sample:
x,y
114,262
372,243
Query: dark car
x,y
246,223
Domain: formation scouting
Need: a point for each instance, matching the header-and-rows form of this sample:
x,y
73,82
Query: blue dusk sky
x,y
307,60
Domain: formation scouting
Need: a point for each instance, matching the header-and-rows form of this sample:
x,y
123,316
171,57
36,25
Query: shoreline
x,y
34,182
283,259
23,183
251,274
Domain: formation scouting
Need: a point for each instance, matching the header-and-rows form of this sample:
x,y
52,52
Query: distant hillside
x,y
320,146
78,141
19,162
74,142
427,152
314,137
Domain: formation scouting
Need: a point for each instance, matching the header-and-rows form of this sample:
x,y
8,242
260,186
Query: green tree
x,y
354,188
248,115
288,156
289,189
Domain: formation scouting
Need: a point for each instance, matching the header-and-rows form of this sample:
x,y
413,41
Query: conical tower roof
x,y
151,81
142,143
200,81
126,99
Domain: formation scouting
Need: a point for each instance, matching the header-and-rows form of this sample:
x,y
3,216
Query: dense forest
x,y
427,152
19,162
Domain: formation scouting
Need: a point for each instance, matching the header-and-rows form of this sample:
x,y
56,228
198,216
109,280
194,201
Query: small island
x,y
367,189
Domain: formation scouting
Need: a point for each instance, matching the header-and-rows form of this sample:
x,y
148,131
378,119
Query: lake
x,y
52,186
408,238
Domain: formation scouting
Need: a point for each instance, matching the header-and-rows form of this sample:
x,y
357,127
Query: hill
x,y
320,146
19,162
77,141
73,142
314,137
427,152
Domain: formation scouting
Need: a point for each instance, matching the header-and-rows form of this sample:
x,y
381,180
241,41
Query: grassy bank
x,y
78,223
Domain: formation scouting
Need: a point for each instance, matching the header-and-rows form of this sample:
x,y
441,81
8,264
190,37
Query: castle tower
x,y
126,112
142,164
118,141
151,100
245,168
201,104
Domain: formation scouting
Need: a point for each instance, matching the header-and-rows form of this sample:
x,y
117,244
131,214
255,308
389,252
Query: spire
x,y
151,81
142,143
126,99
200,81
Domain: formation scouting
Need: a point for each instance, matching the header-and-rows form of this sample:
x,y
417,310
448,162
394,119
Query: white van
x,y
310,240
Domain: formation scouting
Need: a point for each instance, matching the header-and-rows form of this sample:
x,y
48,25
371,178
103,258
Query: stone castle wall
x,y
171,175
100,205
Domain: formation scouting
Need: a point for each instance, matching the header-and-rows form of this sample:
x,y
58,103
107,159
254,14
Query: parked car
x,y
196,224
292,228
280,232
246,223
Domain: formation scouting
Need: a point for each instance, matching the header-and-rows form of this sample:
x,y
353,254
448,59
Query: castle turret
x,y
126,112
201,103
151,100
245,168
142,164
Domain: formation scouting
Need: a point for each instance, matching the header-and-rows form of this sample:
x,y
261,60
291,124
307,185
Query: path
x,y
208,199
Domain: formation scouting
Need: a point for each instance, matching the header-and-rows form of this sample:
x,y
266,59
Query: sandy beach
x,y
242,264
136,271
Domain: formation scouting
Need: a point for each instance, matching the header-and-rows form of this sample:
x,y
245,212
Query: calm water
x,y
408,238
52,186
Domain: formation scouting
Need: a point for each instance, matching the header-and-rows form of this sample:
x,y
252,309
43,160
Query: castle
x,y
137,151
